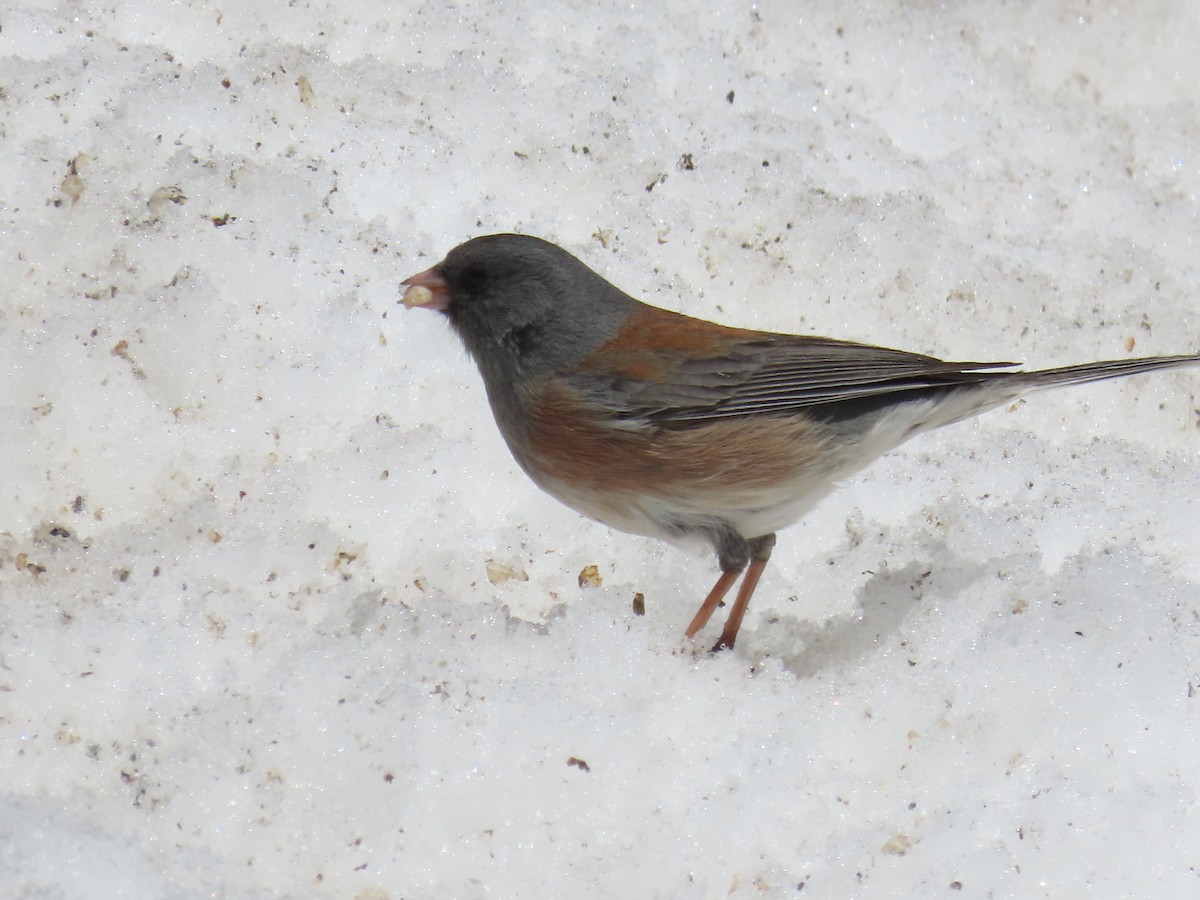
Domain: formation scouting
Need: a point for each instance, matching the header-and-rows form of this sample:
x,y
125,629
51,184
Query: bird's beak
x,y
428,290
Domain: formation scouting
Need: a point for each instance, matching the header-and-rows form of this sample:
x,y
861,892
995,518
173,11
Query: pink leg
x,y
745,592
711,602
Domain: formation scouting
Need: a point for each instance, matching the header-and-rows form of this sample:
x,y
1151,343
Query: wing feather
x,y
767,373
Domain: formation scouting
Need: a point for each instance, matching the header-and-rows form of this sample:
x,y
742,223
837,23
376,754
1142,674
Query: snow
x,y
249,646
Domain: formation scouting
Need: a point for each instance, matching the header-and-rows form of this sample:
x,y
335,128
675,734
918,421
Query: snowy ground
x,y
248,642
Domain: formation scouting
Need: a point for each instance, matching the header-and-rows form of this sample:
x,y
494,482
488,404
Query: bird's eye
x,y
474,280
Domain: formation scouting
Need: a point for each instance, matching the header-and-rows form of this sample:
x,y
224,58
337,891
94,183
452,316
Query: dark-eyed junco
x,y
659,424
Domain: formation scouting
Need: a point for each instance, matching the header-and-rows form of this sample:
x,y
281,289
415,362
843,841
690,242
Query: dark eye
x,y
474,279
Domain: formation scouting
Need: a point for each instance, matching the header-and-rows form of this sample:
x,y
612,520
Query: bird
x,y
656,423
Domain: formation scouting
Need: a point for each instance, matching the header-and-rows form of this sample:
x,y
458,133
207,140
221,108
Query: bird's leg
x,y
712,601
760,552
734,622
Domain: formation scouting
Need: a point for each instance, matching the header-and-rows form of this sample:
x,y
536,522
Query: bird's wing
x,y
673,370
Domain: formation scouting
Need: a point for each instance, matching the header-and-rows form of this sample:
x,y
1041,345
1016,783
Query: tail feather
x,y
1099,371
937,405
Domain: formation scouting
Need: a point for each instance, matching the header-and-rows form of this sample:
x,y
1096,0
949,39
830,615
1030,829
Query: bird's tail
x,y
1099,371
977,392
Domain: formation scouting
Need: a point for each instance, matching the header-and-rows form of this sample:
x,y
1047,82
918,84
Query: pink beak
x,y
428,290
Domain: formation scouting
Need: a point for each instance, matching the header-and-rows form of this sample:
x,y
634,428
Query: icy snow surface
x,y
249,505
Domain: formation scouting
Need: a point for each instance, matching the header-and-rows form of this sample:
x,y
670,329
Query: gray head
x,y
524,307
